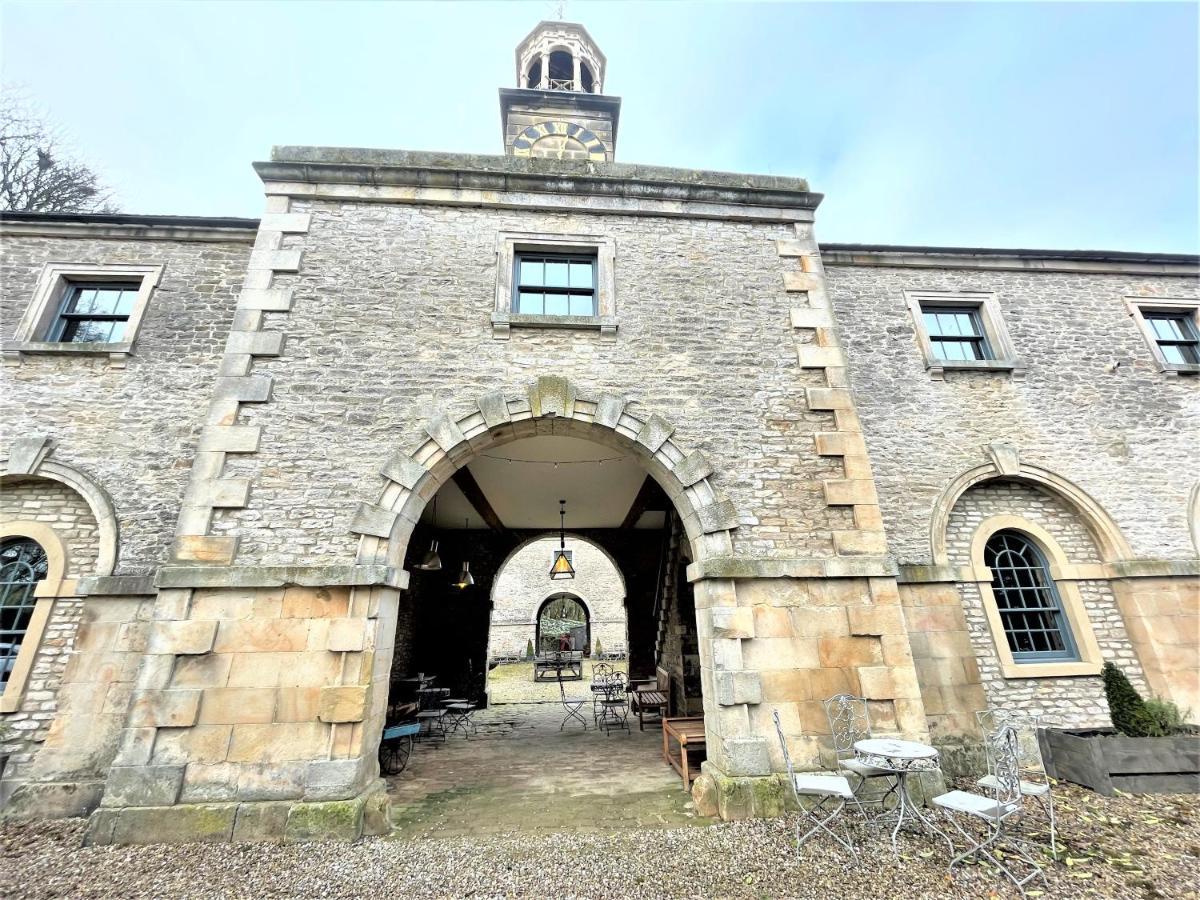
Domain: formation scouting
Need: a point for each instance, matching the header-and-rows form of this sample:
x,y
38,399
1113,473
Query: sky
x,y
1043,125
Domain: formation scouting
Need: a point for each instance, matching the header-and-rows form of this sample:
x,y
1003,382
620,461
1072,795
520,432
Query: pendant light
x,y
562,569
431,562
464,577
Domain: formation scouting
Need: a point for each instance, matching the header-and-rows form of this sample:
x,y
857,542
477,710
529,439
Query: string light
x,y
550,462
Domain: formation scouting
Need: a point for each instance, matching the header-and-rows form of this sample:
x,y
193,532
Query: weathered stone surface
x,y
334,820
175,824
655,432
737,687
609,409
692,468
343,704
182,637
372,519
25,452
552,395
143,785
334,779
262,821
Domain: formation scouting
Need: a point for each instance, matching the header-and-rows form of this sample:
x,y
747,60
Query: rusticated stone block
x,y
868,620
143,785
745,756
186,637
332,820
848,492
343,704
175,824
264,821
732,622
733,688
334,779
876,682
233,706
347,635
839,652
165,709
860,543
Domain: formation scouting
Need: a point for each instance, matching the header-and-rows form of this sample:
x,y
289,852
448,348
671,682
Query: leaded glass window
x,y
1030,608
956,333
1175,335
22,566
95,313
555,285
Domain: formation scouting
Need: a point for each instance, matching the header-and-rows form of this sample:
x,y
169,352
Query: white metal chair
x,y
829,788
850,722
1035,782
995,809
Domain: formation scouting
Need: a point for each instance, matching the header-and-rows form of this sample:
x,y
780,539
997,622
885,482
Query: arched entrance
x,y
498,473
562,623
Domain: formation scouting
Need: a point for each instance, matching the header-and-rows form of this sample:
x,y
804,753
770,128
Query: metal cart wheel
x,y
394,754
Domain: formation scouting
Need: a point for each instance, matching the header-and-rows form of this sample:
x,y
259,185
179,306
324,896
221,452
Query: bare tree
x,y
37,173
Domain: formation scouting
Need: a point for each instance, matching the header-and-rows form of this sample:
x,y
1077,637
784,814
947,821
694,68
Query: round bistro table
x,y
903,758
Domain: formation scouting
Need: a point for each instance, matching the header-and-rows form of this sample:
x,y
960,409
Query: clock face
x,y
558,140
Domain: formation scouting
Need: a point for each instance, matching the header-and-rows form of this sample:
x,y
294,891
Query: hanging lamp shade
x,y
561,569
431,562
464,577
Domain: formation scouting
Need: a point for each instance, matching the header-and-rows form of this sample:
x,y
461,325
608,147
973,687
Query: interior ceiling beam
x,y
649,496
474,493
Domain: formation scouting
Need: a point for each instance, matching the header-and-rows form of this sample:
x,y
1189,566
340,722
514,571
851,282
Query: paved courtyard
x,y
513,683
520,773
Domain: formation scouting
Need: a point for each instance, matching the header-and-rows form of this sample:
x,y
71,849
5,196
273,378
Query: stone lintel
x,y
743,568
117,586
280,576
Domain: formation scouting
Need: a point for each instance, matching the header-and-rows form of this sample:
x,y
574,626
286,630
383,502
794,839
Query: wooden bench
x,y
652,697
685,733
570,661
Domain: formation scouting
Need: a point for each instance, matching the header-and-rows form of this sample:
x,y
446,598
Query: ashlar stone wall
x,y
1090,406
132,430
523,584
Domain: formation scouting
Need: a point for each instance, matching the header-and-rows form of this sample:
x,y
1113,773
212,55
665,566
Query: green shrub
x,y
1162,718
1125,706
598,649
529,649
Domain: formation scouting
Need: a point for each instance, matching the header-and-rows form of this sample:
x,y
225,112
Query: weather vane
x,y
559,9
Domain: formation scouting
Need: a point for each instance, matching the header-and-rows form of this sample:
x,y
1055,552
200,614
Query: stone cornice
x,y
400,176
280,576
1072,261
115,227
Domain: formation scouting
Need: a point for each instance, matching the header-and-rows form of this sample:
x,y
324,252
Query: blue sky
x,y
1010,125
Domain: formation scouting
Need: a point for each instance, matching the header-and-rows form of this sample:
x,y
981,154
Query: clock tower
x,y
558,109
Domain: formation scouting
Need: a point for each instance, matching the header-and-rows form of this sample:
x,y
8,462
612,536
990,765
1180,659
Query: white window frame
x,y
510,243
1184,306
987,307
54,282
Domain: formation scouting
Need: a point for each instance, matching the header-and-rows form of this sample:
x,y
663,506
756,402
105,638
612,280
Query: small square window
x,y
96,312
555,281
1175,336
956,333
961,331
554,285
85,309
1172,329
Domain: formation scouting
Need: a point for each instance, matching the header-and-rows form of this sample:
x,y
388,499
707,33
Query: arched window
x,y
22,565
534,78
585,78
1028,602
562,624
562,71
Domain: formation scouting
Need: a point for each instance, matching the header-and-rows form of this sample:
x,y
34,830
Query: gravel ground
x,y
1136,847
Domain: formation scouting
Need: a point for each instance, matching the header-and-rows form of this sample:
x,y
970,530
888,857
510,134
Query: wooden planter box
x,y
1104,760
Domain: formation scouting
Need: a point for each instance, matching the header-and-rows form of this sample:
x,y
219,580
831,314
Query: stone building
x,y
818,468
523,594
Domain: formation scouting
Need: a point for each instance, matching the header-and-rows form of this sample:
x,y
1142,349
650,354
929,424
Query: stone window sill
x,y
939,367
502,322
117,352
1072,669
1181,368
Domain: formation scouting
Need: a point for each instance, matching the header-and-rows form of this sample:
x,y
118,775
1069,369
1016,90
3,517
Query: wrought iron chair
x,y
614,707
572,707
850,722
829,788
601,672
1035,782
996,809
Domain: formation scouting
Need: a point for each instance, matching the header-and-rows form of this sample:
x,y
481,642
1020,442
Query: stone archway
x,y
551,405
